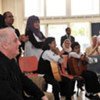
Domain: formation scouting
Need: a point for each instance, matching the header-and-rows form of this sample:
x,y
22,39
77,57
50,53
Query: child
x,y
52,53
92,85
66,46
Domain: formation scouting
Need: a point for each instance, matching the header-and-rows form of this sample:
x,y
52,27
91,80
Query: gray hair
x,y
4,34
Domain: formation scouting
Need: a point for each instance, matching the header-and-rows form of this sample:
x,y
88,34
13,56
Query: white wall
x,y
0,6
16,7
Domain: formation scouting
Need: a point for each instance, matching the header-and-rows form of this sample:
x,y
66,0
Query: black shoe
x,y
92,97
72,93
68,98
81,88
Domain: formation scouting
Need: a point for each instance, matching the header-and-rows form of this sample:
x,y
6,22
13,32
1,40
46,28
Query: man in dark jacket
x,y
68,35
13,84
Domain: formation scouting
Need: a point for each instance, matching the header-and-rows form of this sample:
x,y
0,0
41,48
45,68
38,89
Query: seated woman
x,y
51,53
92,85
66,46
66,49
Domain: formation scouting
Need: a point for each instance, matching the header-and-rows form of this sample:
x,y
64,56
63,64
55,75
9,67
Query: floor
x,y
81,94
80,97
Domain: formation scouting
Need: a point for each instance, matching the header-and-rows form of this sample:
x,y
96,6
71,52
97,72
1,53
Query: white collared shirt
x,y
75,55
51,56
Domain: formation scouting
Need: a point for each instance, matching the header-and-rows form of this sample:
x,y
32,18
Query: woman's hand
x,y
44,98
65,74
23,38
57,51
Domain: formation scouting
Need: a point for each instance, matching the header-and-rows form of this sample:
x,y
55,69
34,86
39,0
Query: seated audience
x,y
13,84
92,85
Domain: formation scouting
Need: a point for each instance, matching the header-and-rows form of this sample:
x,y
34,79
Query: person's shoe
x,y
68,98
92,97
81,88
73,93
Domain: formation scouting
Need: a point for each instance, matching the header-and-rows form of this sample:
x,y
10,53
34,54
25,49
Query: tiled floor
x,y
75,97
80,97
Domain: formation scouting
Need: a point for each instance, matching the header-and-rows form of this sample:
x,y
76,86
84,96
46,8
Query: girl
x,y
66,46
92,85
33,47
51,53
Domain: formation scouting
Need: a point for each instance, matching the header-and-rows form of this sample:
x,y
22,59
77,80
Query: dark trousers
x,y
65,87
55,85
92,84
31,98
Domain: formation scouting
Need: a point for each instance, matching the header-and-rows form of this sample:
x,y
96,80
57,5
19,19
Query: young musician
x,y
92,85
66,46
51,53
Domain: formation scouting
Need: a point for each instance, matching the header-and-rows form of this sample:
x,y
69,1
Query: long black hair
x,y
2,23
74,44
47,42
30,27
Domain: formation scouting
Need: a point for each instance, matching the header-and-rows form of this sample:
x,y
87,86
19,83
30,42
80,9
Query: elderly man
x,y
13,83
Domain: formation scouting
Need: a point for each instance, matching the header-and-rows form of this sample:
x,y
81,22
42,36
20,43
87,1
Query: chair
x,y
29,65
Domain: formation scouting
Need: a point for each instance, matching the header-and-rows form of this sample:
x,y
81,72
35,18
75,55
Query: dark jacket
x,y
72,39
32,39
13,83
44,67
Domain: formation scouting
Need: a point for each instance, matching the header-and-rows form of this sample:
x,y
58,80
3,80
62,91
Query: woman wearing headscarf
x,y
36,37
66,46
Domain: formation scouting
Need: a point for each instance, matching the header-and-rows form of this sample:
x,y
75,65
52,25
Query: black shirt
x,y
13,83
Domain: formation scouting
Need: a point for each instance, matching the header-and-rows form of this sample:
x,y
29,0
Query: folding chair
x,y
28,65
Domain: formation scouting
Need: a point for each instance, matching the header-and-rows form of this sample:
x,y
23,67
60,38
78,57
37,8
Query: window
x,y
84,7
55,7
56,31
34,7
81,32
42,28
